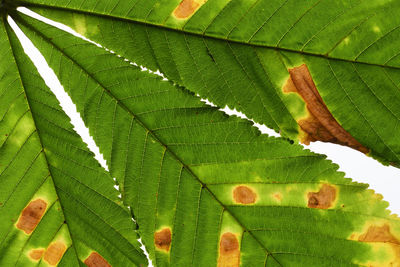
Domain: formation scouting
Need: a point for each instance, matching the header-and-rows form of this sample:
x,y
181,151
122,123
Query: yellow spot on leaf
x,y
229,251
31,215
376,29
80,24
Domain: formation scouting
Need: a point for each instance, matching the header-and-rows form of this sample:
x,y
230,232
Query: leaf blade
x,y
180,156
65,216
199,59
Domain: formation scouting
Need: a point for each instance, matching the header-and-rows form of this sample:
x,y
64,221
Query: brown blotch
x,y
379,234
320,125
54,252
36,254
277,196
162,239
323,199
31,215
186,8
244,195
229,253
96,260
382,234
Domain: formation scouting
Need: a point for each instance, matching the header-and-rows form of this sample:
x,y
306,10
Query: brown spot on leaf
x,y
320,125
379,234
229,253
162,239
244,195
323,199
383,234
36,254
277,196
96,260
187,8
54,252
31,215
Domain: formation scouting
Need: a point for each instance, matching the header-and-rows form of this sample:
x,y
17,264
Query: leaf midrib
x,y
34,123
183,31
48,165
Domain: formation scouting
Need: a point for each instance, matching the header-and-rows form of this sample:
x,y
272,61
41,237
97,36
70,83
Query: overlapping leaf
x,y
207,189
238,52
57,205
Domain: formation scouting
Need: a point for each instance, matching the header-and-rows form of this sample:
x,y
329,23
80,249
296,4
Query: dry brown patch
x,y
320,125
244,195
379,234
54,252
229,252
187,8
162,239
36,254
323,199
31,215
96,260
383,234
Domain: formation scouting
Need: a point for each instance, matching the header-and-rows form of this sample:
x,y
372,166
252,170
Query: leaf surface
x,y
57,205
239,53
207,189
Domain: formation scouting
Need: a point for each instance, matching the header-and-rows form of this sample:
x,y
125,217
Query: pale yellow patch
x,y
80,24
376,29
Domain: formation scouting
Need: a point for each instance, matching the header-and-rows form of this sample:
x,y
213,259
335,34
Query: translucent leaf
x,y
210,190
239,53
57,205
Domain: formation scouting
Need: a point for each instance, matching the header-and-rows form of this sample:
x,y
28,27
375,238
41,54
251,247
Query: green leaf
x,y
57,205
238,53
207,189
